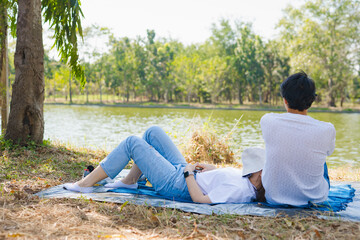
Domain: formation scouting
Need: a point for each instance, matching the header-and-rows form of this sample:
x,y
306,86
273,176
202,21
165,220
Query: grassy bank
x,y
24,171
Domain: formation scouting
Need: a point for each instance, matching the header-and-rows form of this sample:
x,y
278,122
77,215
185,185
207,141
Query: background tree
x,y
91,51
224,39
213,72
186,70
248,63
5,7
152,79
321,36
4,92
276,69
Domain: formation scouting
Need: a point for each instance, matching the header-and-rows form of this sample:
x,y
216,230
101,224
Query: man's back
x,y
296,150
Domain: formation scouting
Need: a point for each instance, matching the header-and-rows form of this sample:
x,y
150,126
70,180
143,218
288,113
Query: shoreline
x,y
205,107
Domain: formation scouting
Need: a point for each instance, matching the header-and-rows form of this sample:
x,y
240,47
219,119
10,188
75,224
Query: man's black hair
x,y
299,91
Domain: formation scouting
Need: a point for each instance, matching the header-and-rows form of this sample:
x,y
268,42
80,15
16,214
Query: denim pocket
x,y
177,188
180,188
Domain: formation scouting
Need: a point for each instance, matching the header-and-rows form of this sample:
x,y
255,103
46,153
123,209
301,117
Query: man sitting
x,y
296,145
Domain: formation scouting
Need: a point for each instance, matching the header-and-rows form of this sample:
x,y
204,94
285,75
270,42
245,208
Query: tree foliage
x,y
65,18
323,39
235,63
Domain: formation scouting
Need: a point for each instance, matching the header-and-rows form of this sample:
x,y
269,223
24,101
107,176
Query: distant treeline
x,y
233,65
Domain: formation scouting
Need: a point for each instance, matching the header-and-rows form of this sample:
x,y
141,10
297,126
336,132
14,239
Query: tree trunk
x,y
166,99
70,93
342,97
26,120
268,92
331,93
54,90
134,91
100,89
260,94
87,92
240,95
4,66
229,95
189,96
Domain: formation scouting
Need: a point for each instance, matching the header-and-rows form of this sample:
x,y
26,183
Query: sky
x,y
188,21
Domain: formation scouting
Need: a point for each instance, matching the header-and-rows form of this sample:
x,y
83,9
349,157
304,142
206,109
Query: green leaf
x,y
66,21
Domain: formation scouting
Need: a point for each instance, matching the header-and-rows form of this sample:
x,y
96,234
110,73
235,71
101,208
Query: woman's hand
x,y
203,167
195,192
189,168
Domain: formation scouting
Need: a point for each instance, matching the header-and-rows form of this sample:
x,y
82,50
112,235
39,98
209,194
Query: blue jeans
x,y
158,159
326,174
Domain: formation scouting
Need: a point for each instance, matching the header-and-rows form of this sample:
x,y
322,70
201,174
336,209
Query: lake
x,y
104,127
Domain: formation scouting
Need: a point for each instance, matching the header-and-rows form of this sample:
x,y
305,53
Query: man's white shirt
x,y
296,150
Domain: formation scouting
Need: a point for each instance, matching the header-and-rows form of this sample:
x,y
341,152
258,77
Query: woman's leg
x,y
133,176
95,176
85,184
130,181
156,168
109,167
166,178
162,143
156,137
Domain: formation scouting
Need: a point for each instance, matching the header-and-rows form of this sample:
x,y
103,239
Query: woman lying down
x,y
157,157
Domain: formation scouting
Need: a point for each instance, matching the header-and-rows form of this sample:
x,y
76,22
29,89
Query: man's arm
x,y
194,189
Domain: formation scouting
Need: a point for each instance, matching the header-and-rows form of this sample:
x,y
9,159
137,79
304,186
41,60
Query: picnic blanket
x,y
338,198
343,202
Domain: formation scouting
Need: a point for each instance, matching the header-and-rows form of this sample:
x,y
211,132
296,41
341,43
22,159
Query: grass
x,y
24,171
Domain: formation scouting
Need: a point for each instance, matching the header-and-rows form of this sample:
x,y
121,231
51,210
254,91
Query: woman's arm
x,y
194,189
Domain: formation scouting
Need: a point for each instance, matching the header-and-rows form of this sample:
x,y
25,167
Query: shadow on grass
x,y
45,161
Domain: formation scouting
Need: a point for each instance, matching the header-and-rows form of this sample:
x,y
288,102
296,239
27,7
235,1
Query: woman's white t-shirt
x,y
226,185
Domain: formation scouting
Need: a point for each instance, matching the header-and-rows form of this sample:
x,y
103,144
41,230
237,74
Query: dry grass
x,y
345,173
207,147
24,216
24,171
205,144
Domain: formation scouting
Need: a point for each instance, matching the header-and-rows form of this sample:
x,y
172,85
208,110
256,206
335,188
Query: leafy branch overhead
x,y
65,19
12,9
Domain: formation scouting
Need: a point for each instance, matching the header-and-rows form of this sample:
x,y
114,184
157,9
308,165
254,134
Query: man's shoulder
x,y
326,125
269,115
265,118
